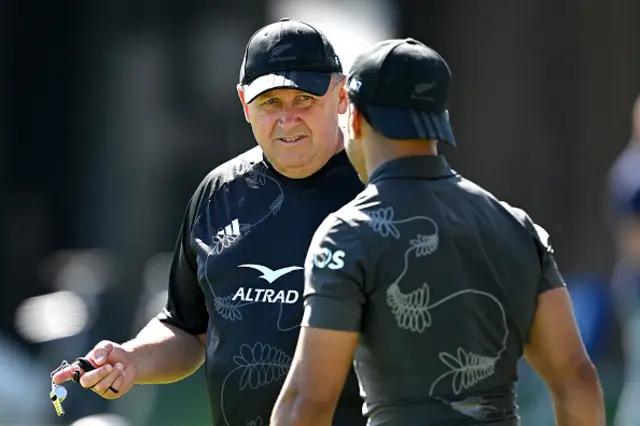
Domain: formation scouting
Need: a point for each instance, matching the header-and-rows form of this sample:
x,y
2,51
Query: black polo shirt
x,y
441,280
237,274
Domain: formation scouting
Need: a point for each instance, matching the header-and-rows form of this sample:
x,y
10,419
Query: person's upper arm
x,y
334,277
186,307
555,348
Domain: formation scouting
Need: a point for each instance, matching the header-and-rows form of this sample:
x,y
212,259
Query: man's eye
x,y
270,101
304,99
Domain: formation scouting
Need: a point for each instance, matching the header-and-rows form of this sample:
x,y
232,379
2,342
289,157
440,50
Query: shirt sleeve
x,y
186,307
550,274
551,277
334,278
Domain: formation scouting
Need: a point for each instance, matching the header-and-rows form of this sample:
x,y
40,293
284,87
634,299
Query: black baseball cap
x,y
290,54
401,86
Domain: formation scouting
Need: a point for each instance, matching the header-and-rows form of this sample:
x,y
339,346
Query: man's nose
x,y
288,119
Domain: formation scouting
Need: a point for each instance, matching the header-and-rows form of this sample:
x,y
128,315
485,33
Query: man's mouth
x,y
293,139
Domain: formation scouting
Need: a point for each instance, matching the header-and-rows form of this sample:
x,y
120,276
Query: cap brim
x,y
315,83
398,124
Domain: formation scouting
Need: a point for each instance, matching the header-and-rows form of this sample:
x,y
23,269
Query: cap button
x,y
285,19
411,40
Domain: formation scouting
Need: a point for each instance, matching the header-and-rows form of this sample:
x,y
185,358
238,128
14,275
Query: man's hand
x,y
115,368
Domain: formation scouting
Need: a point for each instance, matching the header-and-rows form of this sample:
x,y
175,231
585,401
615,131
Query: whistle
x,y
57,395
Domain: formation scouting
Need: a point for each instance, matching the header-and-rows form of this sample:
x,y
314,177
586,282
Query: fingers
x,y
117,385
98,355
101,352
65,374
91,378
107,379
106,385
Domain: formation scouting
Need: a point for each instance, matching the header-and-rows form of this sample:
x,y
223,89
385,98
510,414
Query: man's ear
x,y
245,107
343,97
354,122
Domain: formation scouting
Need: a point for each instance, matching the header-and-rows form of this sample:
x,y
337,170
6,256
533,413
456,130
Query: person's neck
x,y
382,152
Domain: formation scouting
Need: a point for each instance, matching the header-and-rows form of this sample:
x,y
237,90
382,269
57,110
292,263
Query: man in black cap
x,y
236,280
441,287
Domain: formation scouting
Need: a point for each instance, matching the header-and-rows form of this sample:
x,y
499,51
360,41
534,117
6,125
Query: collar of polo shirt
x,y
424,166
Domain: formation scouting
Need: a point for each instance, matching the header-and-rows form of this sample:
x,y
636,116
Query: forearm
x,y
580,404
165,354
293,410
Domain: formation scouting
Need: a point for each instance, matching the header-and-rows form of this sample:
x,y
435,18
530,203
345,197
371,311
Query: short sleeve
x,y
186,307
551,277
550,274
334,278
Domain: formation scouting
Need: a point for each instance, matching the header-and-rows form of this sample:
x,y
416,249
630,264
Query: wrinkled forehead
x,y
287,93
282,92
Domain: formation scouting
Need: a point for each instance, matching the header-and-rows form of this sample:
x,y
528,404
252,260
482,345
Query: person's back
x,y
433,287
454,275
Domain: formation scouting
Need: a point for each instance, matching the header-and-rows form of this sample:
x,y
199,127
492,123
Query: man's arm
x,y
164,353
319,369
555,349
334,281
170,347
556,352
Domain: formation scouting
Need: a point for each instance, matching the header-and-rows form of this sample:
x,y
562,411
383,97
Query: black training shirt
x,y
237,274
441,281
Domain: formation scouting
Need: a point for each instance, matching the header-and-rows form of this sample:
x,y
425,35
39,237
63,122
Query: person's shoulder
x,y
503,207
235,168
516,215
224,174
539,233
230,170
359,210
473,189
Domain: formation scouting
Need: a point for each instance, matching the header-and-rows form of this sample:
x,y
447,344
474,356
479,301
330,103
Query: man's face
x,y
354,144
297,131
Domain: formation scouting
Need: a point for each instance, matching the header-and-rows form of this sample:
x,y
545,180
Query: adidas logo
x,y
231,230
